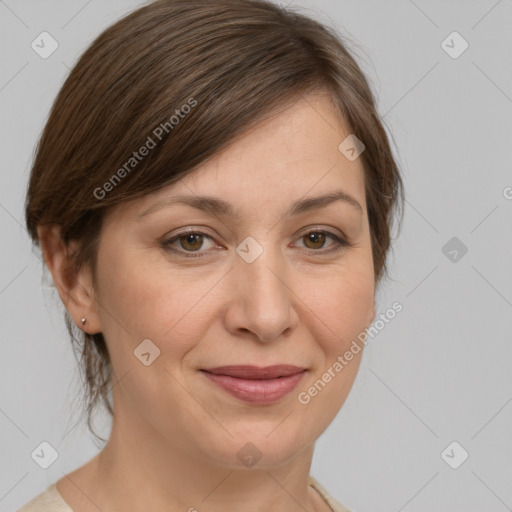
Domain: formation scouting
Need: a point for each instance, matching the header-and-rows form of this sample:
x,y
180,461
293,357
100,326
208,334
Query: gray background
x,y
439,372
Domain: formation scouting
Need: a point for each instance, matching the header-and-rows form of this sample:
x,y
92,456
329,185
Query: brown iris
x,y
191,241
315,238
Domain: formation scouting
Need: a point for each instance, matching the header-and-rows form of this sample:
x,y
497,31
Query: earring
x,y
83,321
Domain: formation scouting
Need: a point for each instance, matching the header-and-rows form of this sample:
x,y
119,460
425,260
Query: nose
x,y
263,302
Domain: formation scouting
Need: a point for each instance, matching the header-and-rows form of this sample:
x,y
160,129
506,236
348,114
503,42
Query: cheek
x,y
338,316
342,303
351,305
341,313
144,300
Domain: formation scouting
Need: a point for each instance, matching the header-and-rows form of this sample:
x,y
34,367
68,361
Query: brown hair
x,y
239,61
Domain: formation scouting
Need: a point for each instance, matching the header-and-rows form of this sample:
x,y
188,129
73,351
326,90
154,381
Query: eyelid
x,y
320,228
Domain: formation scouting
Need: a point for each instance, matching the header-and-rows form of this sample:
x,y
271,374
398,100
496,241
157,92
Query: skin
x,y
175,435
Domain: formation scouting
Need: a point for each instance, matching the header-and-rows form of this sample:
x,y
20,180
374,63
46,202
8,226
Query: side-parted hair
x,y
184,78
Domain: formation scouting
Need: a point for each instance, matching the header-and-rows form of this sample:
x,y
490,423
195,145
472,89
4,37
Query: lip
x,y
256,372
256,385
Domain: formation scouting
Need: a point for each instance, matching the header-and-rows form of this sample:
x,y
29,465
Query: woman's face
x,y
267,283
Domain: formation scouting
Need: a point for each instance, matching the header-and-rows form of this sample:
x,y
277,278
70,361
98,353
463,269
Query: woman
x,y
213,194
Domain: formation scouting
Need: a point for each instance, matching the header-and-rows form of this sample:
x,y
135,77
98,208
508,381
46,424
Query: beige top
x,y
51,500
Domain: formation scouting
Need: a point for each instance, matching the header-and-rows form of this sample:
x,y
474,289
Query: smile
x,y
259,386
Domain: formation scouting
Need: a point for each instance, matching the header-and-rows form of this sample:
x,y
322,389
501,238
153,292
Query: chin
x,y
253,448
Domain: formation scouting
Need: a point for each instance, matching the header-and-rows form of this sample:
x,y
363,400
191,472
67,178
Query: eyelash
x,y
340,244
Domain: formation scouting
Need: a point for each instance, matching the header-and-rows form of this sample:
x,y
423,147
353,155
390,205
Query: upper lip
x,y
256,372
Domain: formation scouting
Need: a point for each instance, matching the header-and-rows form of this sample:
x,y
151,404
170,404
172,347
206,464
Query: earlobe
x,y
75,287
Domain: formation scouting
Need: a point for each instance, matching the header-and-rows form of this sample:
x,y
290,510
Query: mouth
x,y
256,385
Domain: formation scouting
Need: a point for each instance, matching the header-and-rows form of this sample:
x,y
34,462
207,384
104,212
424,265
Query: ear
x,y
75,287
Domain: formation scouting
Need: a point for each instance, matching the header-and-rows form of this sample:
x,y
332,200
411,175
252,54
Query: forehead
x,y
293,154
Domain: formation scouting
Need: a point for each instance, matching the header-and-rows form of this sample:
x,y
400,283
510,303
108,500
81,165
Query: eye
x,y
190,241
315,240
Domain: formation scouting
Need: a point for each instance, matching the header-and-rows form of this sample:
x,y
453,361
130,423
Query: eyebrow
x,y
217,206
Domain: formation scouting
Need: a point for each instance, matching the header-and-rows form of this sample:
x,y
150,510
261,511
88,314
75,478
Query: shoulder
x,y
333,503
49,500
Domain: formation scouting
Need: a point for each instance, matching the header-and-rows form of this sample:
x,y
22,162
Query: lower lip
x,y
257,391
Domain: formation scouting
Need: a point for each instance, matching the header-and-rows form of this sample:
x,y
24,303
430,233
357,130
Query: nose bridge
x,y
263,295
